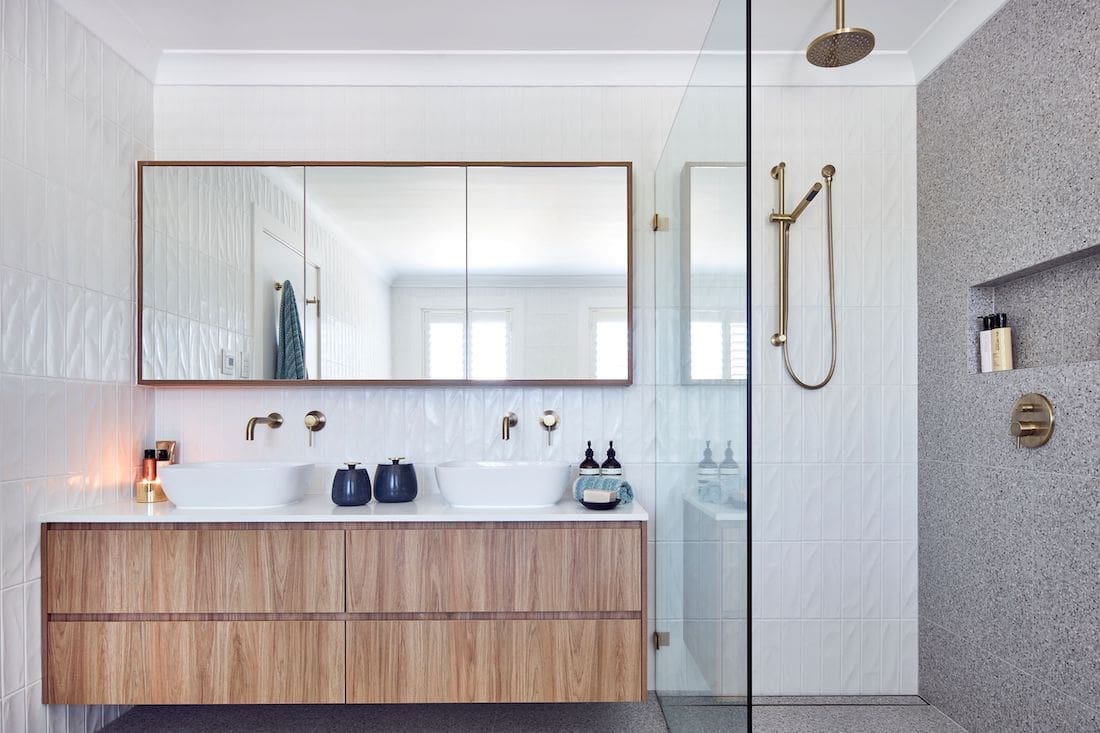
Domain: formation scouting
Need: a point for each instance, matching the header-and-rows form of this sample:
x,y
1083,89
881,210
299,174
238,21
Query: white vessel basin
x,y
228,485
502,484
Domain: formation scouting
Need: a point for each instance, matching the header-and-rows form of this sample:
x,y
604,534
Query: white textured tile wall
x,y
835,491
73,119
360,123
835,571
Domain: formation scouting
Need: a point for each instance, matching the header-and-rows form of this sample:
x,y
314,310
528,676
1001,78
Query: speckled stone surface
x,y
624,717
1054,314
849,719
1010,539
956,672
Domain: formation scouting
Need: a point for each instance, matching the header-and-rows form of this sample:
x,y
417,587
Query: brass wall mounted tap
x,y
273,421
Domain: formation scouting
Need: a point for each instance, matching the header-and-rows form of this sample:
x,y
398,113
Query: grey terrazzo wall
x,y
1009,179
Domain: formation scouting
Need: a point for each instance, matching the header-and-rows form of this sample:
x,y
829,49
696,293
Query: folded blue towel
x,y
604,483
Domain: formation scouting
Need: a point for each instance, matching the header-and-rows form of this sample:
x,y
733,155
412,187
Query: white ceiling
x,y
411,222
498,42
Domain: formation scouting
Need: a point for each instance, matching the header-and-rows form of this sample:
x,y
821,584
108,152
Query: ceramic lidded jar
x,y
395,481
351,486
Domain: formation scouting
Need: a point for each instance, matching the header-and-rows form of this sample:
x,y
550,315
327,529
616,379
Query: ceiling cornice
x,y
523,68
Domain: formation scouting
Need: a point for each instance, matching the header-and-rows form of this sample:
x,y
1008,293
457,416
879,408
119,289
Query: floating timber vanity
x,y
398,603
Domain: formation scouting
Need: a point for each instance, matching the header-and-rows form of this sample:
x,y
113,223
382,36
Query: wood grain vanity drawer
x,y
573,660
580,568
195,662
121,570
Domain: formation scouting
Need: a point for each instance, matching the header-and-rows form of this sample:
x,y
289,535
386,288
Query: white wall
x,y
74,118
428,425
835,492
355,307
835,541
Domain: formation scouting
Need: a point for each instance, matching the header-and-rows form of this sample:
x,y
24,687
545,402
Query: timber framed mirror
x,y
384,273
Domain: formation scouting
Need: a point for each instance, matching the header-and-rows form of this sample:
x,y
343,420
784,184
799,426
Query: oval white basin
x,y
502,484
233,485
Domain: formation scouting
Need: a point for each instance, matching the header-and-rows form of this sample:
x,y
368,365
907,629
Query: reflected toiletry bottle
x,y
149,466
588,466
395,482
611,467
163,459
708,486
985,349
351,486
729,477
1001,344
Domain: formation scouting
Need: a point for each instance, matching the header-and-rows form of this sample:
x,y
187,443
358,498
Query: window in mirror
x,y
489,332
714,252
549,244
706,346
719,345
739,350
450,355
445,344
609,343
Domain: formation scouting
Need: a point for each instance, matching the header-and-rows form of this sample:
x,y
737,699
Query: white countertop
x,y
717,512
319,508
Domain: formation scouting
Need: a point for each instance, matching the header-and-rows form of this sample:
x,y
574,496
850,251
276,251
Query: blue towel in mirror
x,y
290,356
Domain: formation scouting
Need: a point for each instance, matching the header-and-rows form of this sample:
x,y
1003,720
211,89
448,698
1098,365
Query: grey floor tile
x,y
706,718
611,717
837,700
850,719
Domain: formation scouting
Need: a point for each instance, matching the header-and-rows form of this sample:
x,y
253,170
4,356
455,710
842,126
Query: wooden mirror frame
x,y
207,383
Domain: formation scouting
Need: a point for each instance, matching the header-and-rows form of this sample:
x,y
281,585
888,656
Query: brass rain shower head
x,y
842,46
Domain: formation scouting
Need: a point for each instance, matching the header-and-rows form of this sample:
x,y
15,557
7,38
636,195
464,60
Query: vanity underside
x,y
397,612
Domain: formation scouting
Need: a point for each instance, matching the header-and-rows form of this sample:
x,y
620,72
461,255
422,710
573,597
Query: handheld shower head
x,y
814,190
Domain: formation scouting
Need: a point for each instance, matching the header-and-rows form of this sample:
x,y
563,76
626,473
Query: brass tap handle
x,y
549,422
315,420
1032,421
1021,429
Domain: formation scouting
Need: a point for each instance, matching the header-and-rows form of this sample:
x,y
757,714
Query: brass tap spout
x,y
508,422
273,421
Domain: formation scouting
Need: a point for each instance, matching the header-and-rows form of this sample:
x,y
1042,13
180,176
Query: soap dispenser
x,y
707,477
611,467
729,477
588,466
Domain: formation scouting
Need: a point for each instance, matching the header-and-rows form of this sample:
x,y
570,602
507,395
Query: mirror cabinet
x,y
384,273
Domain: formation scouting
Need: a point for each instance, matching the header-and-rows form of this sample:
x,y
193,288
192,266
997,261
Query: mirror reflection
x,y
716,327
382,273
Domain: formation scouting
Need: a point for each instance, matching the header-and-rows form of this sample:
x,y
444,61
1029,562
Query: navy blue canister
x,y
351,486
395,482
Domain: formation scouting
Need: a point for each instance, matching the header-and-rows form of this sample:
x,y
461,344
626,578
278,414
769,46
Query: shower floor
x,y
831,714
680,715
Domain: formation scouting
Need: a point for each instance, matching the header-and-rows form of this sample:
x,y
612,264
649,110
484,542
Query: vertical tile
x,y
13,712
13,674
